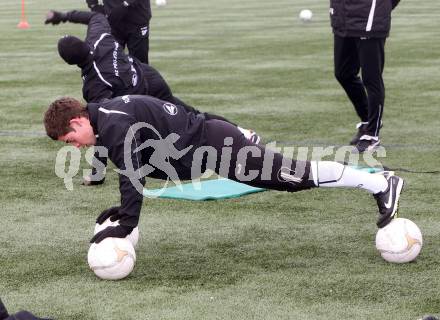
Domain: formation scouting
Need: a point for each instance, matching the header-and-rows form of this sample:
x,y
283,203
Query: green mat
x,y
205,190
368,169
215,189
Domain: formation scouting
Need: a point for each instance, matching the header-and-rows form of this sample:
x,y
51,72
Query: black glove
x,y
55,17
112,232
112,213
117,15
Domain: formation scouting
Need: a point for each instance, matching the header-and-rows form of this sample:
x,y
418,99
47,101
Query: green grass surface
x,y
271,255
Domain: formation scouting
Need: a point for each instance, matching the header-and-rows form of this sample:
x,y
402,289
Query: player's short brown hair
x,y
58,115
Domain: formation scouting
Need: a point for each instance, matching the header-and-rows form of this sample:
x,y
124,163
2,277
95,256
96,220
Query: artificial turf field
x,y
271,255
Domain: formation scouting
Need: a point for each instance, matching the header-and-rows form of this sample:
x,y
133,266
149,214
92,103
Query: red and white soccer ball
x,y
133,236
400,241
112,258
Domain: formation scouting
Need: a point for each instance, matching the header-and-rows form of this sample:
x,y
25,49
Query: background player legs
x,y
372,59
347,67
138,44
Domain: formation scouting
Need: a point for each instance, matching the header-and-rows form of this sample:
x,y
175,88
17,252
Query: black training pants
x,y
231,155
367,93
137,41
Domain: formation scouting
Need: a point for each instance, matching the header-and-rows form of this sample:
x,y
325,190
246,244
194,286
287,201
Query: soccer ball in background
x,y
133,236
112,258
161,3
305,15
400,241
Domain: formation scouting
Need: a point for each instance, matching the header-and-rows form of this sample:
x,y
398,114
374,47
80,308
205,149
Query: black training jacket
x,y
361,18
138,14
113,119
108,72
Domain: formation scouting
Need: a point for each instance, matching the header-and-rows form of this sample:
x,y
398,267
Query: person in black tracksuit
x,y
21,315
360,29
145,136
108,72
130,23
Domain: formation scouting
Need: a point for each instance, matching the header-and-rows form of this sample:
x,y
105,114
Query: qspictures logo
x,y
164,153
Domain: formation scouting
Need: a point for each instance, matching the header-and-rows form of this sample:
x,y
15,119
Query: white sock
x,y
333,174
247,133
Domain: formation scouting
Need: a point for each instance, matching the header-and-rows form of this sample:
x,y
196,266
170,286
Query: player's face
x,y
82,134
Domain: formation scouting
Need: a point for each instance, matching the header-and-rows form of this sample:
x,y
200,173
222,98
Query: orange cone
x,y
23,22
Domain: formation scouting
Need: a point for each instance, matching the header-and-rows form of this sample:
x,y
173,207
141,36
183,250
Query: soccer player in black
x,y
360,29
130,23
136,129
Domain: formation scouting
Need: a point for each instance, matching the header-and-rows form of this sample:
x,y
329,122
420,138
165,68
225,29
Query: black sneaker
x,y
388,200
362,129
366,143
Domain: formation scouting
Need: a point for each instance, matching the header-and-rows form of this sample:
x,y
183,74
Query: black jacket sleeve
x,y
76,16
96,92
131,181
395,3
98,25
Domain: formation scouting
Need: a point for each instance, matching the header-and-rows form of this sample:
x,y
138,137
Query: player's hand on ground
x,y
112,232
55,17
112,213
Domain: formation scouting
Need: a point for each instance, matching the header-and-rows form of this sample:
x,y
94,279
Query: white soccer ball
x,y
161,3
133,236
305,15
400,241
112,258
